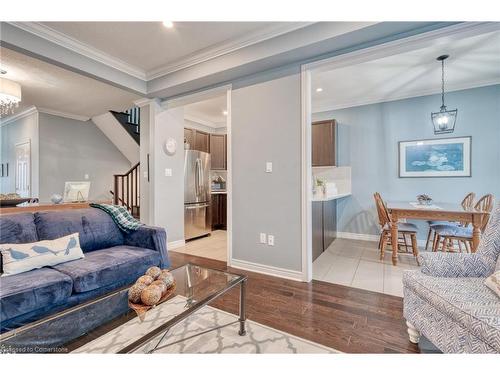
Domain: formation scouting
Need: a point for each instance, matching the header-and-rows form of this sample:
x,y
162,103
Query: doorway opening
x,y
207,191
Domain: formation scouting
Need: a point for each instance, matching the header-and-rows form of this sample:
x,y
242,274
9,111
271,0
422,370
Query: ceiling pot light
x,y
224,113
444,120
319,89
168,24
10,95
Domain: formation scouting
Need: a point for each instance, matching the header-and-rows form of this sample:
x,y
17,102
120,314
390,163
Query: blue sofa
x,y
112,259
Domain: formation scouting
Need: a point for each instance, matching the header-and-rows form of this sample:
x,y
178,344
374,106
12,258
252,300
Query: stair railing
x,y
126,190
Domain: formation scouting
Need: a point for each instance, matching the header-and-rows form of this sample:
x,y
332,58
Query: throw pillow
x,y
493,282
22,257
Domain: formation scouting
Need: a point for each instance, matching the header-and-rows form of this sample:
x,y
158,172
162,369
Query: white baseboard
x,y
175,244
368,237
267,270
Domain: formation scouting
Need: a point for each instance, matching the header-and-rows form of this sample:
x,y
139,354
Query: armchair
x,y
447,301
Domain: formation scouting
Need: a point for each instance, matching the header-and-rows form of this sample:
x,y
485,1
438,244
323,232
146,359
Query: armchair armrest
x,y
455,265
148,237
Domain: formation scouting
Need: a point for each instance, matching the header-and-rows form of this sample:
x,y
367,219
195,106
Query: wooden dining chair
x,y
467,204
446,235
404,230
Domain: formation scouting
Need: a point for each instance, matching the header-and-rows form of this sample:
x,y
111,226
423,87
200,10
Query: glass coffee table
x,y
74,329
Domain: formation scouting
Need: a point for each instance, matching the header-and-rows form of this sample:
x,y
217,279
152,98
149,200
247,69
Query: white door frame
x,y
200,96
458,31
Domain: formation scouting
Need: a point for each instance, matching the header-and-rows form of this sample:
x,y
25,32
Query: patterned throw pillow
x,y
18,258
493,282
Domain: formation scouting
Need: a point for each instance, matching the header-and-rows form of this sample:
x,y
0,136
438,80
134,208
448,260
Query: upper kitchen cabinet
x,y
218,151
202,141
323,135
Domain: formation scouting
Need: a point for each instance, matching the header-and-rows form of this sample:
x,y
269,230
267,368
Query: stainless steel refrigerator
x,y
197,218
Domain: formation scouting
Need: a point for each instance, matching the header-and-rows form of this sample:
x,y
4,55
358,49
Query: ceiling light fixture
x,y
319,89
10,95
168,24
224,113
444,120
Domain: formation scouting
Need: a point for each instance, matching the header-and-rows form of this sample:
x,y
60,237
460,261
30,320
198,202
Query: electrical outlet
x,y
270,240
86,176
263,238
168,172
269,167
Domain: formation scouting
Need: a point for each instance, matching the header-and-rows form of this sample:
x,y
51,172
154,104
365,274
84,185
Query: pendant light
x,y
10,95
444,120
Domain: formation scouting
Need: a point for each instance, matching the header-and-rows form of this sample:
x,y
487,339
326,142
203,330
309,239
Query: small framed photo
x,y
443,157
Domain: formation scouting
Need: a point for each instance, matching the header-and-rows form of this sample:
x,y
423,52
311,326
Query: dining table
x,y
438,211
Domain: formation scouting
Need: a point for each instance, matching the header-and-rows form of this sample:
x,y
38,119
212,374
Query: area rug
x,y
259,338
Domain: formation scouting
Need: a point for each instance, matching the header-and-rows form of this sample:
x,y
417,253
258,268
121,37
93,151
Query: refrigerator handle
x,y
200,176
196,178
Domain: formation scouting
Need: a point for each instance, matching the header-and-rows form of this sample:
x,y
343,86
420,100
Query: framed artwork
x,y
443,157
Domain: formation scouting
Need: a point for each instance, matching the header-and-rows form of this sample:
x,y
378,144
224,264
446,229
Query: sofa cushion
x,y
96,228
105,267
467,301
23,257
18,228
28,291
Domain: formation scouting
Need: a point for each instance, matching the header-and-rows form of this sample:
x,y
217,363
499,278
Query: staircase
x,y
130,120
126,190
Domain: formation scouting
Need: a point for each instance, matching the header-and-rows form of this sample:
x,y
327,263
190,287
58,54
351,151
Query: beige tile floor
x,y
356,263
213,246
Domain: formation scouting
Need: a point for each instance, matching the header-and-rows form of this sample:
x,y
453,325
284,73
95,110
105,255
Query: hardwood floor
x,y
347,319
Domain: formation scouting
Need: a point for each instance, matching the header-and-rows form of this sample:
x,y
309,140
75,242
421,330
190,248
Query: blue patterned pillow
x,y
23,257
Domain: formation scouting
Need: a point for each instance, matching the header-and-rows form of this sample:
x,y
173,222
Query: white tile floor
x,y
213,246
356,263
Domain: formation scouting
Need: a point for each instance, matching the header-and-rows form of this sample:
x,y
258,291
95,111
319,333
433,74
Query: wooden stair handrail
x,y
126,189
130,170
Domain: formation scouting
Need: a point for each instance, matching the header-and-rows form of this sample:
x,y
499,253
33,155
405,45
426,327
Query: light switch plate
x,y
168,172
269,167
86,176
145,174
270,240
263,238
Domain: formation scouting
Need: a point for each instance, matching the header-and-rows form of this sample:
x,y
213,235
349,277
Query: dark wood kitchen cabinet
x,y
198,140
202,141
219,211
324,226
218,151
323,136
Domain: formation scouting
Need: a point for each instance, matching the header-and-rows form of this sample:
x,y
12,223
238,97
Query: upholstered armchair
x,y
447,301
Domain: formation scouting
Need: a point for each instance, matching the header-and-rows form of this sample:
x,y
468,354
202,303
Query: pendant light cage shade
x,y
444,120
10,96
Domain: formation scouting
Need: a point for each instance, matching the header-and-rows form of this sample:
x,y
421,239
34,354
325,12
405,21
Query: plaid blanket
x,y
120,215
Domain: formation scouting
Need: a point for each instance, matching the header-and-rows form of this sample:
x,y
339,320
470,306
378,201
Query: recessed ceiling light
x,y
319,89
168,24
224,113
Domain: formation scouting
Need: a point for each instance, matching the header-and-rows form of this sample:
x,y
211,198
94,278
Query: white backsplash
x,y
341,176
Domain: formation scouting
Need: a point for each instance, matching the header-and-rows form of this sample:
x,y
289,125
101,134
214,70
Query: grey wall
x,y
168,192
368,141
266,127
69,149
12,133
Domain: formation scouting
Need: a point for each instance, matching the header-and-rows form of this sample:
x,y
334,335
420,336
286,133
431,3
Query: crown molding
x,y
74,45
198,57
54,112
17,116
202,121
225,48
334,105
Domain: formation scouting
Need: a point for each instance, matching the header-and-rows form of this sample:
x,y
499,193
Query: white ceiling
x,y
473,62
208,112
152,49
50,87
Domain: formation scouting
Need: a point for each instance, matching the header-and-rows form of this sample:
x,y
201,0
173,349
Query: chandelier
x,y
444,120
10,95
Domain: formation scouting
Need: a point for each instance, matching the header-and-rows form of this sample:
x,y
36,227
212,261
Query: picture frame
x,y
438,157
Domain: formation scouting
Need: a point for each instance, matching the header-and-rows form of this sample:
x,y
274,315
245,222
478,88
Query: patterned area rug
x,y
259,338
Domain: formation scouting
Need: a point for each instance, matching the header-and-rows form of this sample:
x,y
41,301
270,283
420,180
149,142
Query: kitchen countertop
x,y
328,197
218,192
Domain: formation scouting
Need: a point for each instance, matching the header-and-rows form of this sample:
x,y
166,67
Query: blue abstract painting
x,y
439,158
